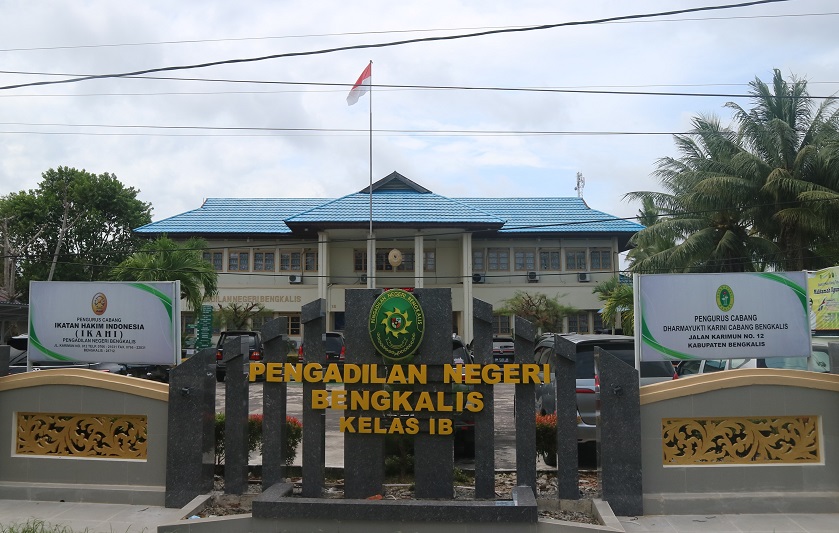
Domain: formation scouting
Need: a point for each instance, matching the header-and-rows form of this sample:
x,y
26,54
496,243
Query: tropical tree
x,y
618,302
237,316
165,260
650,243
752,198
74,227
543,312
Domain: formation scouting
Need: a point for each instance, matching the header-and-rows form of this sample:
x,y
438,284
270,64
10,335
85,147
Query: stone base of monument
x,y
315,514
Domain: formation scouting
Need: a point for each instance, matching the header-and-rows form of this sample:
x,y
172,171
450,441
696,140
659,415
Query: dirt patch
x,y
227,504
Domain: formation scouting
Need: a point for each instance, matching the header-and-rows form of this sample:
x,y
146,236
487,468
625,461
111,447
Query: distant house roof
x,y
397,201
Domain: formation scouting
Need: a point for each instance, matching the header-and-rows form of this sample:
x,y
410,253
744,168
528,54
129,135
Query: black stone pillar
x,y
434,454
565,385
5,355
619,434
190,444
525,409
833,353
274,405
236,416
364,454
484,437
313,318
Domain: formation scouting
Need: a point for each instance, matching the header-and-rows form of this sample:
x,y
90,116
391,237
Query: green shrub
x,y
293,436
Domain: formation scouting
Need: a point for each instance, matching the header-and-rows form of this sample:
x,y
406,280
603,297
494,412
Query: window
x,y
216,258
598,323
290,261
578,323
525,259
478,261
263,261
359,260
601,259
238,261
550,260
575,259
310,261
501,325
498,259
429,261
293,324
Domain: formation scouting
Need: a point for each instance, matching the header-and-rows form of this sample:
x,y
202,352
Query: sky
x,y
281,127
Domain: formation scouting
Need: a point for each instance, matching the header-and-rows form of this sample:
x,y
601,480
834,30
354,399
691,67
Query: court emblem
x,y
396,326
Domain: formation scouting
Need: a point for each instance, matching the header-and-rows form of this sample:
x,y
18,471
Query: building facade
x,y
283,253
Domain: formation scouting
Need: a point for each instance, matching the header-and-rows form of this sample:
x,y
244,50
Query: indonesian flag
x,y
362,86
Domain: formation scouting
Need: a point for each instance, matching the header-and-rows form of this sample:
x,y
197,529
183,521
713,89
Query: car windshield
x,y
650,369
333,344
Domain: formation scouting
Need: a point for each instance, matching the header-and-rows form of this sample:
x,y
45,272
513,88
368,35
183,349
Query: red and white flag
x,y
362,86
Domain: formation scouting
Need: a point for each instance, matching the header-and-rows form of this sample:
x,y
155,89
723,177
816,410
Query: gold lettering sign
x,y
82,435
742,441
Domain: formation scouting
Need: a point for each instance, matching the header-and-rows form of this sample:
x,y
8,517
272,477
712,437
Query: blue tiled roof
x,y
396,200
397,206
235,215
551,215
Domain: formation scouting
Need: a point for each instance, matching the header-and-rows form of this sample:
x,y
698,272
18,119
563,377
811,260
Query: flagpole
x,y
371,252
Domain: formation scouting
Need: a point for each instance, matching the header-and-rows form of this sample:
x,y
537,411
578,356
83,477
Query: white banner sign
x,y
722,316
99,322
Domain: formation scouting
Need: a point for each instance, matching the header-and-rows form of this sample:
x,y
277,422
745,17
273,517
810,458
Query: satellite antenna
x,y
581,182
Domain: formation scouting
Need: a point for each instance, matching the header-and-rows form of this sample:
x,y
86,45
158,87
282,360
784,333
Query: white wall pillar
x,y
323,266
466,270
371,261
419,249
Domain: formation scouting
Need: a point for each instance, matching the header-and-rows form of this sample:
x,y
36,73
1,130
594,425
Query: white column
x,y
323,266
466,269
419,274
371,261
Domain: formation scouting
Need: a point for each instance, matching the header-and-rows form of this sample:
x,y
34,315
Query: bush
x,y
293,435
546,438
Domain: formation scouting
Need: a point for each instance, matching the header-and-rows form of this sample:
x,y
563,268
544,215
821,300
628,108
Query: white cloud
x,y
177,169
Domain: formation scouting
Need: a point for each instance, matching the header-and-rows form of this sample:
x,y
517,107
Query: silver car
x,y
582,346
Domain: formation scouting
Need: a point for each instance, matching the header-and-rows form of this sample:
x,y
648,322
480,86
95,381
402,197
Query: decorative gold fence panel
x,y
741,441
82,435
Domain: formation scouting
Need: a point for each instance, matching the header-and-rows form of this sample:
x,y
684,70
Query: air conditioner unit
x,y
295,278
362,279
532,277
479,278
584,277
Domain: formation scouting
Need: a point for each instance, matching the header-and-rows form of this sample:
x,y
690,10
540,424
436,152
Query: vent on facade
x,y
584,277
532,277
295,278
479,278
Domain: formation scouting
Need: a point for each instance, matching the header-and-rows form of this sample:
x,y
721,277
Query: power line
x,y
387,32
395,43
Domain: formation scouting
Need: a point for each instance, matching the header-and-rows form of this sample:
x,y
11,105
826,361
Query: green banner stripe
x,y
648,339
799,291
33,341
164,299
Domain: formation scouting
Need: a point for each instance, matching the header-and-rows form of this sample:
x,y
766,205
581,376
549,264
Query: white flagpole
x,y
371,249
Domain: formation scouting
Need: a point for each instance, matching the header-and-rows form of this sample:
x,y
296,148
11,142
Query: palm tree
x,y
764,196
795,157
165,260
617,301
707,209
650,243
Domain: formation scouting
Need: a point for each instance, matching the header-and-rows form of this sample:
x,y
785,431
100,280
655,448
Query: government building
x,y
286,252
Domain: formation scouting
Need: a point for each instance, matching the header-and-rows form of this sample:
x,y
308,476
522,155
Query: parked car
x,y
153,372
336,349
818,361
503,349
254,350
18,361
582,347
